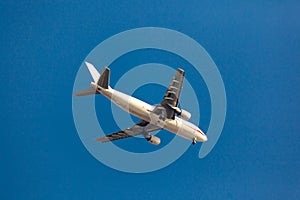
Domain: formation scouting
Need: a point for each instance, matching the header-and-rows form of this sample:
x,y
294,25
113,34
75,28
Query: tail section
x,y
93,71
101,80
104,78
87,92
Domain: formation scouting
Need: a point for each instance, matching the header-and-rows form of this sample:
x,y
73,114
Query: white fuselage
x,y
143,111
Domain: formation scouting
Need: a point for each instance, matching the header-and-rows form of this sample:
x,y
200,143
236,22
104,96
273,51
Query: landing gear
x,y
194,141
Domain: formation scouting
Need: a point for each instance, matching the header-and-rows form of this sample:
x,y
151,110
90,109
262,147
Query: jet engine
x,y
153,139
185,114
182,113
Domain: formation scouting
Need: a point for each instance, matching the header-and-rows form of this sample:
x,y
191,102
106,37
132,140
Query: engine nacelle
x,y
182,113
153,140
185,114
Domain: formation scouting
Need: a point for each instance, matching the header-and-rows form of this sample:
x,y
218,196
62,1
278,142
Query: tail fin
x,y
104,78
101,80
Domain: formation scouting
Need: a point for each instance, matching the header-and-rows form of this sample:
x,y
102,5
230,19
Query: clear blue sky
x,y
256,47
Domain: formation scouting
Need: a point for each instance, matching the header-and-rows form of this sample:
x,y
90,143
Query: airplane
x,y
166,115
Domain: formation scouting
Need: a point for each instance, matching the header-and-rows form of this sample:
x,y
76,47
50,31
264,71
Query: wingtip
x,y
181,71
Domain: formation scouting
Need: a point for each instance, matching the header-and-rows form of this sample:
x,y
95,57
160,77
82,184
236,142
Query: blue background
x,y
256,47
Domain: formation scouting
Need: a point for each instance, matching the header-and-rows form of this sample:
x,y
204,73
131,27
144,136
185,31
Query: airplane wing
x,y
171,96
142,127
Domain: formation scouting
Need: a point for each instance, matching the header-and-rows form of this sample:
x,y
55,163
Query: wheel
x,y
194,141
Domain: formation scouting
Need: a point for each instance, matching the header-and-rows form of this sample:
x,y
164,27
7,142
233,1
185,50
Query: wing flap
x,y
114,136
142,127
171,96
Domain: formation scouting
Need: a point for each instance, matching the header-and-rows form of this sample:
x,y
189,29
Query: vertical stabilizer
x,y
99,80
104,78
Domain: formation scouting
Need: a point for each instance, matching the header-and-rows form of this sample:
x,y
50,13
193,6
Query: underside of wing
x,y
142,127
171,96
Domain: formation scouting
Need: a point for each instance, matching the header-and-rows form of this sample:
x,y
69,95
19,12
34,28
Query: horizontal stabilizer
x,y
93,71
86,92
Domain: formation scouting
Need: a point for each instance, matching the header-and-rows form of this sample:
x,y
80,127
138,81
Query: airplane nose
x,y
202,137
205,138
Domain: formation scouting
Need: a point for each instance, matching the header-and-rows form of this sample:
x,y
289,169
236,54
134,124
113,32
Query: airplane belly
x,y
130,104
181,128
140,109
